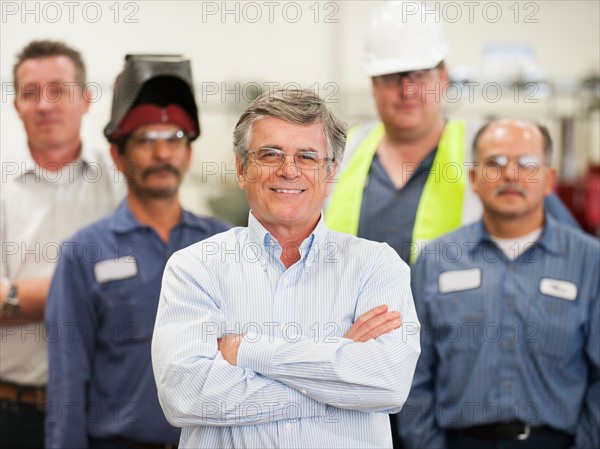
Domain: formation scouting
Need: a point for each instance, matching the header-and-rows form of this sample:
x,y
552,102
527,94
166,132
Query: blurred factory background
x,y
538,60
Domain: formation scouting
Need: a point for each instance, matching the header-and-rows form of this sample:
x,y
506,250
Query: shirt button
x,y
506,385
303,391
288,427
285,282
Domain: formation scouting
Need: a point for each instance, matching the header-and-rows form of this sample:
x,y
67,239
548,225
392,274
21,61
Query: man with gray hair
x,y
285,333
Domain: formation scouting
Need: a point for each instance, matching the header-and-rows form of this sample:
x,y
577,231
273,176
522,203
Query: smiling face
x,y
285,197
50,102
512,192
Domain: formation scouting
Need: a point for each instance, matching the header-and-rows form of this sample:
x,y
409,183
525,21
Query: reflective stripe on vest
x,y
441,205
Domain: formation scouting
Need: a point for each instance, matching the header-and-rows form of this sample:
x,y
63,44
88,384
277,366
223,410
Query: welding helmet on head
x,y
153,89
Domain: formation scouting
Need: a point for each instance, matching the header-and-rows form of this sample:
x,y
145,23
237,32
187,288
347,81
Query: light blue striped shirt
x,y
298,383
504,339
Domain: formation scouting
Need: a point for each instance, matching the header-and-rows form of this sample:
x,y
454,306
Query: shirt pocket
x,y
554,327
457,320
129,311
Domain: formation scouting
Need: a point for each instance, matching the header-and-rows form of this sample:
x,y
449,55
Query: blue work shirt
x,y
388,214
506,340
100,316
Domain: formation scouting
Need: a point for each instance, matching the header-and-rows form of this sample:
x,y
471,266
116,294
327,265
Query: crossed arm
x,y
369,369
369,326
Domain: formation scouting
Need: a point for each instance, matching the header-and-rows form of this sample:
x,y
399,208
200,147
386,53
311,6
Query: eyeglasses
x,y
148,140
274,157
526,162
413,76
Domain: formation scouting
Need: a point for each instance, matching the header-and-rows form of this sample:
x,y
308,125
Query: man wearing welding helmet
x,y
104,295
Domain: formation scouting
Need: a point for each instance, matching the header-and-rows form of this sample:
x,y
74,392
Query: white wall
x,y
311,43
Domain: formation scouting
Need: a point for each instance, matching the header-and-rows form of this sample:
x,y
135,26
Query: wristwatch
x,y
11,308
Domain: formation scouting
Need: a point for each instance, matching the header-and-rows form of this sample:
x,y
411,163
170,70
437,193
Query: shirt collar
x,y
424,166
193,221
25,164
89,156
123,220
263,239
548,240
427,161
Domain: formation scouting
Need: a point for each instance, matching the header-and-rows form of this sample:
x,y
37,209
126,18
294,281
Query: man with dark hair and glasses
x,y
284,333
510,309
104,294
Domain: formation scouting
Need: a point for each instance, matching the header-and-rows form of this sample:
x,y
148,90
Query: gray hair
x,y
300,106
547,140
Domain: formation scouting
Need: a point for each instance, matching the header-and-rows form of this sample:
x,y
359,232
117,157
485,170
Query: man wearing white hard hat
x,y
404,180
399,181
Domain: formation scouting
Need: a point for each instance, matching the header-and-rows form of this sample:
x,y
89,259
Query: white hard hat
x,y
403,36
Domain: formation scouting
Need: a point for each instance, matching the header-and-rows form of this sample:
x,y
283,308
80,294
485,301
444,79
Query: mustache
x,y
156,168
503,188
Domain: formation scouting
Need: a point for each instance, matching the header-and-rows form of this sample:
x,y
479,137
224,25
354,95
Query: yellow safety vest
x,y
441,206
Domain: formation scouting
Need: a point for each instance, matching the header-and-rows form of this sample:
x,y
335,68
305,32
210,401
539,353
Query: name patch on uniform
x,y
459,280
115,269
559,289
